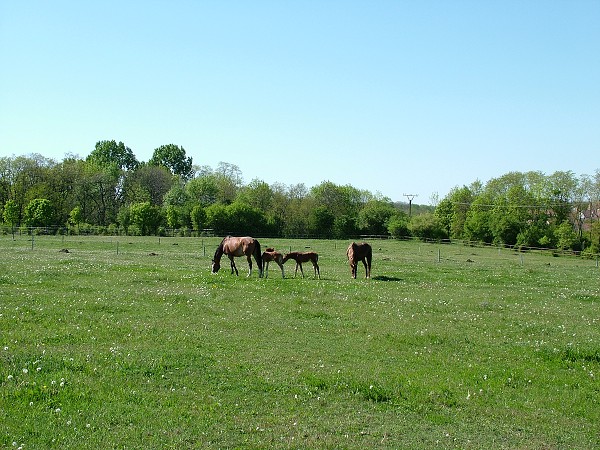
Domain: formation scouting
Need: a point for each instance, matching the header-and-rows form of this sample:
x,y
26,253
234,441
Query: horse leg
x,y
369,267
364,261
281,267
353,268
316,268
233,267
249,266
267,269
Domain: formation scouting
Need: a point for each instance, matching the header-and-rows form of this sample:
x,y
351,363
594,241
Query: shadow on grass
x,y
386,278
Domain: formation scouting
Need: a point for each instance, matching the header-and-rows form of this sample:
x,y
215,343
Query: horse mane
x,y
219,252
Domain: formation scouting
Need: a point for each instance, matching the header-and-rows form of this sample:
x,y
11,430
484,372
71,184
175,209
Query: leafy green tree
x,y
567,238
109,153
24,178
561,192
257,194
339,200
38,213
297,211
398,225
477,222
76,217
198,217
100,194
344,227
124,218
373,217
218,219
320,222
148,183
11,214
172,216
444,212
426,227
173,157
228,178
146,217
177,195
245,219
204,189
64,184
460,199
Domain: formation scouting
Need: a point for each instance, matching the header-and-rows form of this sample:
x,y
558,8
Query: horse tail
x,y
258,255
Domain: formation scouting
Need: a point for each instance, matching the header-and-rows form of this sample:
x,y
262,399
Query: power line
x,y
548,205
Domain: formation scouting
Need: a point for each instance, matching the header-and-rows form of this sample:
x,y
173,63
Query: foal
x,y
302,257
271,255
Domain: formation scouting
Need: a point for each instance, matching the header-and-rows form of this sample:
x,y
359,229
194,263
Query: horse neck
x,y
219,253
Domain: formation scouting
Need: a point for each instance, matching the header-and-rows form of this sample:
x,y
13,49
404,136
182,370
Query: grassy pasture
x,y
132,343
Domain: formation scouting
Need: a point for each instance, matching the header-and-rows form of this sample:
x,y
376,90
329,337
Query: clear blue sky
x,y
396,97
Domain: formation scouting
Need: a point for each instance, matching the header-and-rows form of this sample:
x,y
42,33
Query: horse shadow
x,y
386,278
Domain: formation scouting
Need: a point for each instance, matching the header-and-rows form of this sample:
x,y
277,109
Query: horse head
x,y
216,265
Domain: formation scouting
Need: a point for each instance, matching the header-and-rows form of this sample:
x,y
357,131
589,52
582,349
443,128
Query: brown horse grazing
x,y
271,255
360,252
302,257
238,246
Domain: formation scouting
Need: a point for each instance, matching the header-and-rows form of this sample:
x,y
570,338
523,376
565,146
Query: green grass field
x,y
132,343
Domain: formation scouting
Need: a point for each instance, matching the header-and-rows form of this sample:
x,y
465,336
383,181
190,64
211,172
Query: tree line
x,y
111,192
558,211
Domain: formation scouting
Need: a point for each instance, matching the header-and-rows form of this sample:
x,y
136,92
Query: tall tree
x,y
11,215
38,213
107,153
148,183
173,157
229,181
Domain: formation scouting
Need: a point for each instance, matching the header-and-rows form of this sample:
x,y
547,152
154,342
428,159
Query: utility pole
x,y
410,198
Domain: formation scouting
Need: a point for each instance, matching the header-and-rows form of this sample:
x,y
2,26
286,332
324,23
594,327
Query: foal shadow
x,y
386,278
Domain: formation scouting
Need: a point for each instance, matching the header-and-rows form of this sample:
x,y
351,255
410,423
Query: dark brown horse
x,y
360,252
271,255
302,257
238,246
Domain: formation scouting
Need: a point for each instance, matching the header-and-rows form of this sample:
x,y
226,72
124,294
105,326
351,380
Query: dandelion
x,y
25,370
10,377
